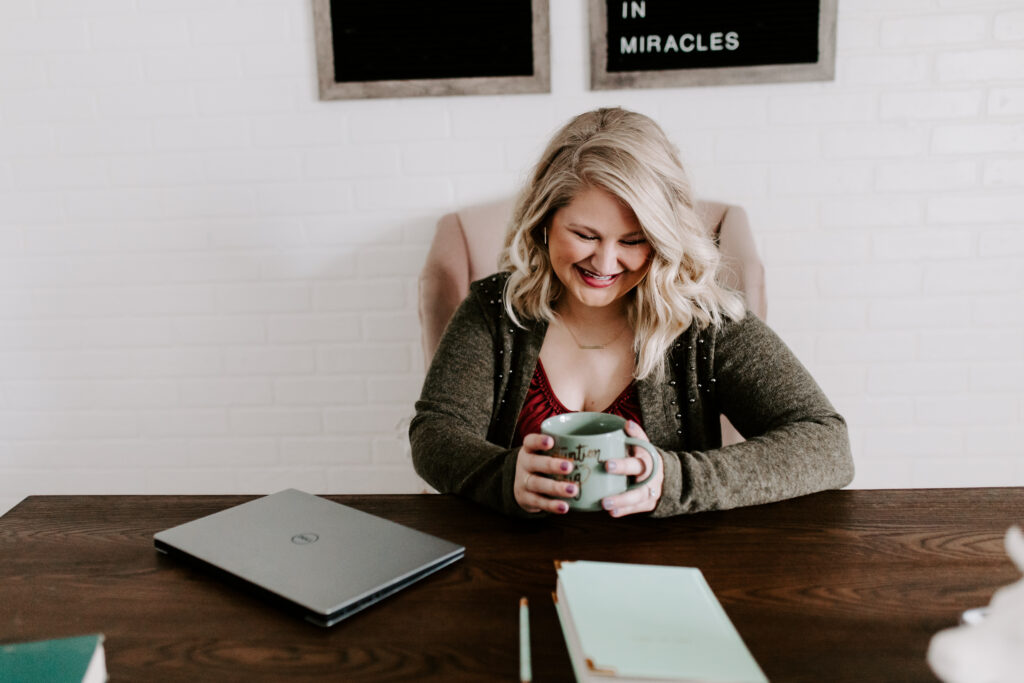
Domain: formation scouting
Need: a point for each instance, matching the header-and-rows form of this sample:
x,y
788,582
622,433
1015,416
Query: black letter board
x,y
665,43
398,48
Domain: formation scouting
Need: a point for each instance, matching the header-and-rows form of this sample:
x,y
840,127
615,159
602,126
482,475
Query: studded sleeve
x,y
448,434
796,442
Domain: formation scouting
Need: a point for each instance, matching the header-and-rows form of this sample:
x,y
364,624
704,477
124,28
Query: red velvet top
x,y
541,403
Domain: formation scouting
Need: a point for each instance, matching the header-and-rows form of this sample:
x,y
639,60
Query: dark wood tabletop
x,y
838,586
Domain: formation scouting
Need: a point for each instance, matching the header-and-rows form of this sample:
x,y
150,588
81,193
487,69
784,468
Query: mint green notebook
x,y
62,660
629,622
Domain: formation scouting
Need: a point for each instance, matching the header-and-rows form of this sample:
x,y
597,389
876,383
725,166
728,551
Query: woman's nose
x,y
606,259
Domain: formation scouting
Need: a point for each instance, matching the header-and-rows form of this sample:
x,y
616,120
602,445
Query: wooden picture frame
x,y
692,62
500,47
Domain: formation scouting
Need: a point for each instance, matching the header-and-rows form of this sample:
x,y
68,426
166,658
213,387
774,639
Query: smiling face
x,y
597,249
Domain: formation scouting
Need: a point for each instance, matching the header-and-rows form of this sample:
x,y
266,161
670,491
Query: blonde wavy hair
x,y
628,155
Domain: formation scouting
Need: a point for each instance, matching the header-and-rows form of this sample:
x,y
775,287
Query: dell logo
x,y
305,538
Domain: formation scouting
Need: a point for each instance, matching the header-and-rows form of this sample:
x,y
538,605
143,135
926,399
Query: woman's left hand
x,y
643,498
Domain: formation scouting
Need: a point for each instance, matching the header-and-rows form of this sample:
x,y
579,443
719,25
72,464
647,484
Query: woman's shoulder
x,y
485,300
489,294
746,327
491,285
748,335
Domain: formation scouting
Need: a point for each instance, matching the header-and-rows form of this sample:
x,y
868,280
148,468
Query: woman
x,y
607,301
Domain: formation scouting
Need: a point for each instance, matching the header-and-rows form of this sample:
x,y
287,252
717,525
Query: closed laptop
x,y
322,558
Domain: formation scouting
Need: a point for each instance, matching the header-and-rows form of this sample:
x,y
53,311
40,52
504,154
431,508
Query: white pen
x,y
525,668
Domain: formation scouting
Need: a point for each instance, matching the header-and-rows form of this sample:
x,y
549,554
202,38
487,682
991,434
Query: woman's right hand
x,y
534,491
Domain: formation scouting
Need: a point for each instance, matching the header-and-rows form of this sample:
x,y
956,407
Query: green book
x,y
638,622
63,660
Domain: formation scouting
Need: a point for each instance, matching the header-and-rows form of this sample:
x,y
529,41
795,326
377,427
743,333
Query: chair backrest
x,y
467,243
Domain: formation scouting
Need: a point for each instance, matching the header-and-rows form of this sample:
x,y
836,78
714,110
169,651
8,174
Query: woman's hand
x,y
534,491
644,498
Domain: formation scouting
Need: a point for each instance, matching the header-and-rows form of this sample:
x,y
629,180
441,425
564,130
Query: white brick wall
x,y
208,276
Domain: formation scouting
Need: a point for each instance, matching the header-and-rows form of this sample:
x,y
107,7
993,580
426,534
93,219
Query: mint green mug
x,y
590,440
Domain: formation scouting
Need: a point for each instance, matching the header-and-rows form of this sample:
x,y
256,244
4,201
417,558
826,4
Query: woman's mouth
x,y
596,280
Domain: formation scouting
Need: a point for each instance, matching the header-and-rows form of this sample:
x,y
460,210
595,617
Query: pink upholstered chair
x,y
467,243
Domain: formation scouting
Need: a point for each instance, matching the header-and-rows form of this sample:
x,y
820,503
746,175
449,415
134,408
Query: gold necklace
x,y
590,347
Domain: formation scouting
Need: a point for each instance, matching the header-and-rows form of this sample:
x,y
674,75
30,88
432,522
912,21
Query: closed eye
x,y
589,238
633,243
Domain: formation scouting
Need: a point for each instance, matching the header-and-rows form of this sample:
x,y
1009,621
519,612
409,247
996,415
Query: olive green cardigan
x,y
797,443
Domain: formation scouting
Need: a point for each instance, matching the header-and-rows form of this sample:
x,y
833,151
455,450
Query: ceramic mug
x,y
590,440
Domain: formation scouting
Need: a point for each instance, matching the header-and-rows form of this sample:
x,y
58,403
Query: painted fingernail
x,y
563,508
571,490
612,466
608,505
566,466
548,442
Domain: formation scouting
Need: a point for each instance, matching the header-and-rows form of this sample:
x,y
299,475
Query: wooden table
x,y
838,586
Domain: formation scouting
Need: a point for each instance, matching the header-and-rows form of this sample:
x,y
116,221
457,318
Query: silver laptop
x,y
324,559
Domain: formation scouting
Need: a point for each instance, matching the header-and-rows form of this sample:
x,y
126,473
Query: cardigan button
x,y
679,431
671,382
672,402
693,400
679,416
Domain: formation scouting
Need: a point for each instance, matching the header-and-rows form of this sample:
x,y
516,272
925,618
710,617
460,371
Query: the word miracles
x,y
687,42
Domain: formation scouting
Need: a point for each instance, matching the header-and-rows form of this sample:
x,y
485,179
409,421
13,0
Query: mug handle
x,y
630,441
